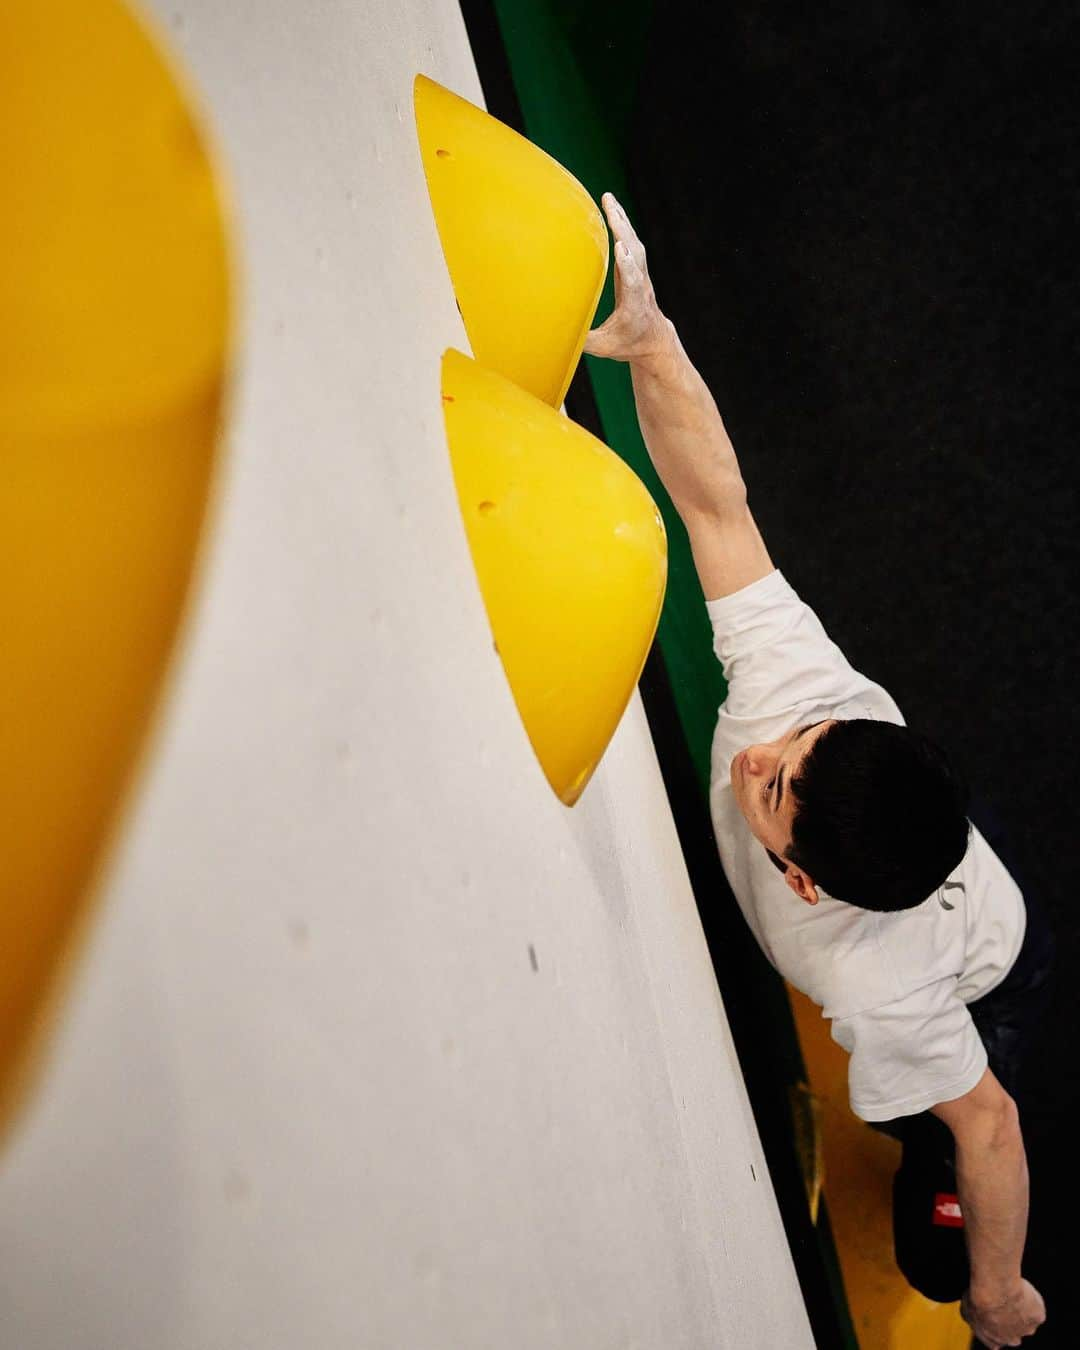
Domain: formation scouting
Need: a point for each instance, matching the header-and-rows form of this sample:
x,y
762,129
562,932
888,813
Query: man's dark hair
x,y
880,816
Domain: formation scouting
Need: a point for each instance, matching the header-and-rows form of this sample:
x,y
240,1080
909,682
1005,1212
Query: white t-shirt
x,y
895,985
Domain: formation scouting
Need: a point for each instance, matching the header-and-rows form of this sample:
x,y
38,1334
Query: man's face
x,y
761,779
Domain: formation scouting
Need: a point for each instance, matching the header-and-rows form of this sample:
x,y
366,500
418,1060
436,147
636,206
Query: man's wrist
x,y
663,344
989,1296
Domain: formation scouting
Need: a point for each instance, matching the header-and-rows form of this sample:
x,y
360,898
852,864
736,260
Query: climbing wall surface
x,y
374,1042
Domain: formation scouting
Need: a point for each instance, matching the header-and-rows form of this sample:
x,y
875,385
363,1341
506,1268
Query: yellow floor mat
x,y
859,1164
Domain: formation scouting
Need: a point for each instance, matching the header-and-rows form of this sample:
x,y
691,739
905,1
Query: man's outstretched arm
x,y
680,423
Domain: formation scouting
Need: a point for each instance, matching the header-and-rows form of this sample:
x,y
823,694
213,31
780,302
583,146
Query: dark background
x,y
862,220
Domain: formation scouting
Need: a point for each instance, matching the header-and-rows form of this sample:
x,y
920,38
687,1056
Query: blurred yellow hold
x,y
571,557
113,330
525,245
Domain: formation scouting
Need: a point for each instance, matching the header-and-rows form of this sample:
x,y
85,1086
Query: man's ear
x,y
801,884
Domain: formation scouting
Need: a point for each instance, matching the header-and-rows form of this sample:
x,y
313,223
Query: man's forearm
x,y
684,432
992,1182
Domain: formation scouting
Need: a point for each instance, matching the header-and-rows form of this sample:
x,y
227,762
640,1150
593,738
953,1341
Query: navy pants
x,y
928,1231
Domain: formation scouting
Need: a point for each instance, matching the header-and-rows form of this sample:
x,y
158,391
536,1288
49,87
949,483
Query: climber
x,y
845,836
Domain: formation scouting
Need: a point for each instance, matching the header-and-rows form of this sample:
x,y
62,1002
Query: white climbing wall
x,y
374,1044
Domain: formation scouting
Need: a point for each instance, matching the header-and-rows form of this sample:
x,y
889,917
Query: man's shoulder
x,y
863,962
834,954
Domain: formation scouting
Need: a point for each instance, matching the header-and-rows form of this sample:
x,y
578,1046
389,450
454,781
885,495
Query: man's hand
x,y
1004,1324
680,423
635,327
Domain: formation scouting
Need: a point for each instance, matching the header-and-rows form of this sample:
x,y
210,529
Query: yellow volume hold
x,y
525,245
571,557
113,331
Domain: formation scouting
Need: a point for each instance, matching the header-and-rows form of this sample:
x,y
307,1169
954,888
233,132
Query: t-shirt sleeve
x,y
909,1055
775,652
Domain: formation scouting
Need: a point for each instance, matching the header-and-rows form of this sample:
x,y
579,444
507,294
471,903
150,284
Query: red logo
x,y
947,1210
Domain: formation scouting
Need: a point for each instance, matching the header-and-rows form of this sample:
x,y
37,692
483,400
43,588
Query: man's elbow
x,y
994,1129
987,1114
1006,1124
722,497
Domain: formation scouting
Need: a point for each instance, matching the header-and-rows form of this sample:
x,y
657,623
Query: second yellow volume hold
x,y
571,557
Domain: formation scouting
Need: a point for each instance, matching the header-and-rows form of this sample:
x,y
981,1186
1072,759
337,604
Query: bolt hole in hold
x,y
443,154
486,508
